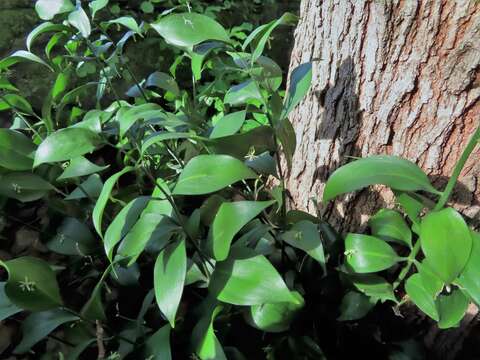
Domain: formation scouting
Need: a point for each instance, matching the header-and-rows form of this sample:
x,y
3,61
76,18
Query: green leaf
x,y
355,306
93,309
169,279
230,219
130,116
47,9
163,81
123,223
66,144
15,102
469,279
157,346
90,188
304,235
205,174
31,284
242,93
127,21
421,296
286,135
411,205
7,309
23,186
451,309
161,136
391,226
260,37
373,286
20,56
38,325
15,150
248,279
99,208
432,283
189,29
42,29
79,20
73,238
205,342
446,243
80,166
228,125
274,317
300,81
97,5
366,254
392,171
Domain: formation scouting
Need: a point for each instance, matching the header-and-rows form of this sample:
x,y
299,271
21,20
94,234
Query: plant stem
x,y
458,169
410,261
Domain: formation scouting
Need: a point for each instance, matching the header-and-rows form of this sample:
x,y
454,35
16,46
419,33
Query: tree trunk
x,y
390,77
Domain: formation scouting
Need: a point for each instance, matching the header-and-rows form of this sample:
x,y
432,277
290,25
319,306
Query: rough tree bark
x,y
390,77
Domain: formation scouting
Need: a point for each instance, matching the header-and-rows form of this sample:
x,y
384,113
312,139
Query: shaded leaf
x,y
421,296
391,226
15,150
355,306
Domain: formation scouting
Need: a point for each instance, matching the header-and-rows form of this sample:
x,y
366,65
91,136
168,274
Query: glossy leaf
x,y
163,81
97,5
93,309
80,166
469,279
15,102
411,205
421,296
392,171
366,254
66,144
446,243
242,93
228,125
16,150
21,56
24,186
42,29
32,284
90,188
305,236
157,346
101,203
205,342
73,238
355,306
130,116
189,29
128,22
248,279
391,226
300,81
286,135
230,219
7,308
451,309
159,137
169,279
274,317
373,286
47,9
205,174
432,283
123,223
37,326
79,20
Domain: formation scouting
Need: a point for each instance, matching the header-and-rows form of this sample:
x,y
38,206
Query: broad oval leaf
x,y
129,22
421,296
7,308
228,125
300,81
392,171
169,279
126,117
469,279
159,137
79,20
73,238
446,243
163,81
90,188
39,325
47,9
205,174
80,166
366,254
16,150
373,286
23,186
248,279
355,306
101,203
243,93
32,284
274,317
230,219
189,29
66,144
391,226
451,308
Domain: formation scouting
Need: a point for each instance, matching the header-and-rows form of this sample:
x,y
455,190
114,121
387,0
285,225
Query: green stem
x,y
458,169
410,261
